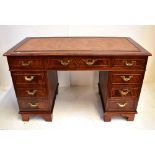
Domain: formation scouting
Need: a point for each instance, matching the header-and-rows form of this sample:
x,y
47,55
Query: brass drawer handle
x,y
32,93
27,78
33,105
129,64
26,63
124,92
124,78
64,62
121,105
90,62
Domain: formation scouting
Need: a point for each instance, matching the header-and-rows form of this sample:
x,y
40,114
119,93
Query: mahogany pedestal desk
x,y
34,63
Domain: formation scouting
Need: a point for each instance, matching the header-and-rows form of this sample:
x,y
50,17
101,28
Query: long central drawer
x,y
73,63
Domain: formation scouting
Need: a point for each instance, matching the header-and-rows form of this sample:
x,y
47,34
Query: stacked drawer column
x,y
34,87
120,88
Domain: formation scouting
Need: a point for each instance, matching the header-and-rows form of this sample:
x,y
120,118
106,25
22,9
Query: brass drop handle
x,y
121,105
64,62
90,62
33,105
29,78
129,64
31,93
124,92
124,78
26,63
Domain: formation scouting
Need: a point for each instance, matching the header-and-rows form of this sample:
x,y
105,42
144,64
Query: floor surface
x,y
79,107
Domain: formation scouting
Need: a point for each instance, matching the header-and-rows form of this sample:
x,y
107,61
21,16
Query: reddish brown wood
x,y
43,102
129,116
137,63
25,117
22,78
134,77
128,91
33,104
26,63
34,63
31,92
46,117
114,103
126,104
107,118
76,63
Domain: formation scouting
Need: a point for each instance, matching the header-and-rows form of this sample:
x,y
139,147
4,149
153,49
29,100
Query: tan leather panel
x,y
84,43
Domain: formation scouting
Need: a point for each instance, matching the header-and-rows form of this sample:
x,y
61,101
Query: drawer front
x,y
33,104
121,105
129,63
128,77
86,63
124,91
25,63
31,92
28,77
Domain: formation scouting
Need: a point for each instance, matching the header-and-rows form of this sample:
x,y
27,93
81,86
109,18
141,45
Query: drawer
x,y
28,77
78,62
31,92
33,104
124,91
25,63
126,77
121,105
129,63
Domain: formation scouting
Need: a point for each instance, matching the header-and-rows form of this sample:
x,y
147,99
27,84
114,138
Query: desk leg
x,y
25,117
47,116
128,115
107,118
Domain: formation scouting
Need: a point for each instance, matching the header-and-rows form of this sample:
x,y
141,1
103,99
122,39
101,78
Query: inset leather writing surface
x,y
75,46
71,44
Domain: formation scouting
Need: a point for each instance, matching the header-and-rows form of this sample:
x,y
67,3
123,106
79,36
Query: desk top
x,y
75,46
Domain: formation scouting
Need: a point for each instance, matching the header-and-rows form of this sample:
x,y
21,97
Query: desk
x,y
34,63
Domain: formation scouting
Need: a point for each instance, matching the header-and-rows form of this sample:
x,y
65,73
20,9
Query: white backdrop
x,y
10,35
